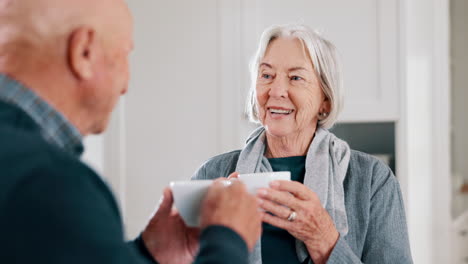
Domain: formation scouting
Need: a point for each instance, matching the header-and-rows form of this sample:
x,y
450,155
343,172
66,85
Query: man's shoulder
x,y
20,137
65,202
25,156
21,146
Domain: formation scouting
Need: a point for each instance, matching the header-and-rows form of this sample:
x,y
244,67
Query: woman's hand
x,y
312,223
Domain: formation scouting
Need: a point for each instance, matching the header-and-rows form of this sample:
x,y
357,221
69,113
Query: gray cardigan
x,y
374,206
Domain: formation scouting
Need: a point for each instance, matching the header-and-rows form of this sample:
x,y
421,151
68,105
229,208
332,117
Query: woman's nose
x,y
279,88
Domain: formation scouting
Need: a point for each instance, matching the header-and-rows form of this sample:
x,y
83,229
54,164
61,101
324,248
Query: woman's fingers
x,y
279,197
298,189
277,221
276,209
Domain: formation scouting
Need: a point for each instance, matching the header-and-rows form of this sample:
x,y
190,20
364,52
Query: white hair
x,y
325,63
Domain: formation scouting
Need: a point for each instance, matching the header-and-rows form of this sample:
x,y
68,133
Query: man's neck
x,y
50,88
54,127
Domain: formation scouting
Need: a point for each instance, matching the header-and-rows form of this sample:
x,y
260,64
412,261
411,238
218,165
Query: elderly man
x,y
63,66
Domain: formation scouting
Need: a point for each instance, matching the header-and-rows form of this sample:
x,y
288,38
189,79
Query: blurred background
x,y
405,65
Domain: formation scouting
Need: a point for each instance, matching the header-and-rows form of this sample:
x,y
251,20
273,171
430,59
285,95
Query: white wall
x,y
170,121
188,83
94,153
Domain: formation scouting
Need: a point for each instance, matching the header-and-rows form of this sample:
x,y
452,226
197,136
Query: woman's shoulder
x,y
218,166
366,170
228,156
366,161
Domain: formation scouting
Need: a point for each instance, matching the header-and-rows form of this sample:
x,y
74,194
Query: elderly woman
x,y
342,206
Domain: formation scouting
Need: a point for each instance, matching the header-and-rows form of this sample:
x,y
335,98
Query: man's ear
x,y
81,52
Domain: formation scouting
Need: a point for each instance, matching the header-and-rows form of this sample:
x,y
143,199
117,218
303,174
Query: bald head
x,y
40,24
73,53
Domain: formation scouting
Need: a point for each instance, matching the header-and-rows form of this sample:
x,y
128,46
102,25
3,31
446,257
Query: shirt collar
x,y
54,127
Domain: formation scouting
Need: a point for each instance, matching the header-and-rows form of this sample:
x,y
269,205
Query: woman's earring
x,y
323,115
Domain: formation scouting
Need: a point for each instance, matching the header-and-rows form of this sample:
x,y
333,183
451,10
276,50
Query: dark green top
x,y
278,246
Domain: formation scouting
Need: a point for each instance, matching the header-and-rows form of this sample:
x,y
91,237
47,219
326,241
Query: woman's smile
x,y
279,113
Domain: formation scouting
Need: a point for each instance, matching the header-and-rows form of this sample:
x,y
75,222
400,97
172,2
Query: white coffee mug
x,y
188,195
254,181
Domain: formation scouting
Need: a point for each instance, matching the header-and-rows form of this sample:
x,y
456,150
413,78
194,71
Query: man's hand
x,y
167,237
232,206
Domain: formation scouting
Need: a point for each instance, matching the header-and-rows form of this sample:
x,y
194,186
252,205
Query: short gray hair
x,y
324,59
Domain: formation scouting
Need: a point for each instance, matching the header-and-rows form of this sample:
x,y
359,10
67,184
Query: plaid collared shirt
x,y
55,128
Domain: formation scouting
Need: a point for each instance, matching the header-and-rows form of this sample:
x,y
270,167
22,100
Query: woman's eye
x,y
296,78
266,76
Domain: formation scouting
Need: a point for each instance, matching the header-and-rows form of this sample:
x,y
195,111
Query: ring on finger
x,y
292,216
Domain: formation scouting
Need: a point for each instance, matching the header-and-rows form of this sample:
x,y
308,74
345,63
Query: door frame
x,y
423,131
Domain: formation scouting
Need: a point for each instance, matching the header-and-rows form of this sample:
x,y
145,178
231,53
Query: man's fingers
x,y
232,183
233,175
239,187
165,207
194,231
218,184
214,191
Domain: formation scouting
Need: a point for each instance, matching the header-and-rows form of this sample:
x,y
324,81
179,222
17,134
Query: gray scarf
x,y
326,165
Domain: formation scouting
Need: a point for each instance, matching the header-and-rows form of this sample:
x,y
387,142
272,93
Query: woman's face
x,y
288,92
